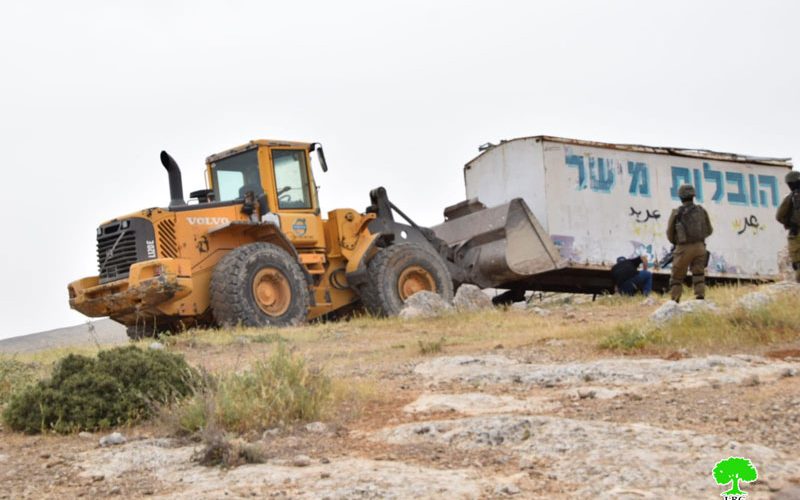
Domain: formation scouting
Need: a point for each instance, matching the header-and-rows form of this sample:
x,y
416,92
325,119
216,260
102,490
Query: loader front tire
x,y
259,284
399,271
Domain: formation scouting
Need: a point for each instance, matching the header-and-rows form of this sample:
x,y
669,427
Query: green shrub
x,y
14,375
120,386
628,338
277,391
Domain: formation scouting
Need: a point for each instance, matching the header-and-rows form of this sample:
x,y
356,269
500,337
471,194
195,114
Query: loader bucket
x,y
500,245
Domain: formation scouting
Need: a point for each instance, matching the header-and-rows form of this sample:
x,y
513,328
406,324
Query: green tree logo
x,y
733,470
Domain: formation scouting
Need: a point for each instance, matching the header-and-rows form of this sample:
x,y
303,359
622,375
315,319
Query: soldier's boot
x,y
699,284
796,266
675,290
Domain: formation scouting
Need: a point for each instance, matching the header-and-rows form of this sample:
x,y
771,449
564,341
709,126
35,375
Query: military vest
x,y
691,225
794,218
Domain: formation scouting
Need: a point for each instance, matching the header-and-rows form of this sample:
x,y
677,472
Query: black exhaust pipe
x,y
175,183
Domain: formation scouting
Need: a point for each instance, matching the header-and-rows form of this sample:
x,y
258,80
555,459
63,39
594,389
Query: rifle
x,y
667,260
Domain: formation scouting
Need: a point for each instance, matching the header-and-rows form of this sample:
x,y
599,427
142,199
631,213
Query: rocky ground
x,y
539,420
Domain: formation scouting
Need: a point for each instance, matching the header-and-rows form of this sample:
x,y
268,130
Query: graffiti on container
x,y
752,190
600,175
748,222
565,245
640,179
640,249
648,215
717,263
595,173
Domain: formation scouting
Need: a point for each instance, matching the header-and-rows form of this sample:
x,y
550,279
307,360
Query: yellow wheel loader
x,y
253,249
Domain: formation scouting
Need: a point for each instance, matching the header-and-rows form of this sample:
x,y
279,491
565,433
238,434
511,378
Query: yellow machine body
x,y
190,240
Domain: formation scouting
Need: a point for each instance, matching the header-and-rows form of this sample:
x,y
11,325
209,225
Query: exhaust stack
x,y
175,183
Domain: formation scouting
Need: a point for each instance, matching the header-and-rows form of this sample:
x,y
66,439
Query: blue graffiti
x,y
576,161
601,178
680,175
601,175
738,197
753,190
598,175
763,193
698,186
640,179
716,177
771,182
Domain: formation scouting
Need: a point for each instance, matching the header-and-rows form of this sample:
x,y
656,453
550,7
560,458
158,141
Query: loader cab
x,y
278,173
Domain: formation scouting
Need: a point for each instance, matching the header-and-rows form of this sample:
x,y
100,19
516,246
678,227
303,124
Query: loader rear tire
x,y
399,271
259,284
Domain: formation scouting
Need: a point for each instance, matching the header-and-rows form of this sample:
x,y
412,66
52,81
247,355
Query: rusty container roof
x,y
663,150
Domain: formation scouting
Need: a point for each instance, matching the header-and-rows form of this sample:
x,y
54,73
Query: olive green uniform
x,y
688,256
784,217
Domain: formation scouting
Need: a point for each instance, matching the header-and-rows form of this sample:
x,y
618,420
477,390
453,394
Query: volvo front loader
x,y
254,250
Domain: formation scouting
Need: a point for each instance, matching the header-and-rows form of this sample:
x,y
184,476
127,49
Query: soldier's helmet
x,y
686,191
793,176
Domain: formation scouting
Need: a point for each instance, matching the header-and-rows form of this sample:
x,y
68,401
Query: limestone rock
x,y
113,439
671,310
754,300
317,427
471,298
424,304
156,346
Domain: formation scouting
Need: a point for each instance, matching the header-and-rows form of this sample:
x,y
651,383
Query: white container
x,y
599,201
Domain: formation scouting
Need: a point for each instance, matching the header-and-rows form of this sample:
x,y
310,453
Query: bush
x,y
278,391
628,338
120,386
14,375
223,451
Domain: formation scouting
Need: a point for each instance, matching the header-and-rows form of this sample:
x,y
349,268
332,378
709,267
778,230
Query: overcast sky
x,y
400,93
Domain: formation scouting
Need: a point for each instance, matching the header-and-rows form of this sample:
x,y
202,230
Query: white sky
x,y
400,94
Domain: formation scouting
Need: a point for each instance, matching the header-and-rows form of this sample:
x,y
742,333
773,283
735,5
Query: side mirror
x,y
320,154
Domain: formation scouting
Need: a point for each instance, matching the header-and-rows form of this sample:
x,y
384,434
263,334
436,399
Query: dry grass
x,y
277,391
355,353
733,328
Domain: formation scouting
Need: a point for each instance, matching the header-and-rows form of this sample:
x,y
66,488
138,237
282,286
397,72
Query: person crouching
x,y
628,279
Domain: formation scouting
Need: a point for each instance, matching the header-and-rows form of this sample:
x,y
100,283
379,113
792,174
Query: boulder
x,y
754,300
113,439
471,298
671,310
424,304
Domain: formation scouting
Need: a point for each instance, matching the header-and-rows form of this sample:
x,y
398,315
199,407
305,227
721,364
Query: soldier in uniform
x,y
688,228
789,215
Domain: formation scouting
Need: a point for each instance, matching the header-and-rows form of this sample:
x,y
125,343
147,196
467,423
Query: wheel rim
x,y
415,279
272,291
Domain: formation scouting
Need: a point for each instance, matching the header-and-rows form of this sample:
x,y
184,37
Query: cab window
x,y
236,175
291,179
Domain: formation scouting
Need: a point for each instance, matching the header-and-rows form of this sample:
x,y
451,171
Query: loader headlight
x,y
99,231
271,218
125,224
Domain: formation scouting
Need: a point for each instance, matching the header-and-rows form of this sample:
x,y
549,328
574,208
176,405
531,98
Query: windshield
x,y
291,178
236,175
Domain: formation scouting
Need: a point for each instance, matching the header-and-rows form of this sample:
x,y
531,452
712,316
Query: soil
x,y
550,418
